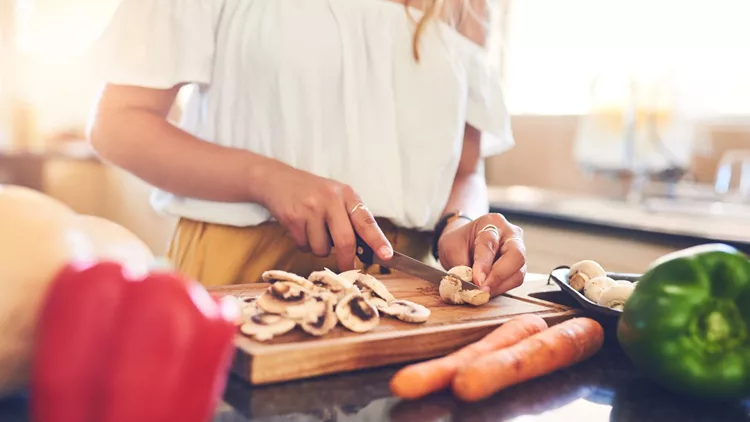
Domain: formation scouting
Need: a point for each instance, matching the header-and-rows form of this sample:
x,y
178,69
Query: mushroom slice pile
x,y
406,311
356,313
264,326
451,289
282,295
273,276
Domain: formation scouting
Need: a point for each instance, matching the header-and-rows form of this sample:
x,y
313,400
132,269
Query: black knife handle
x,y
364,251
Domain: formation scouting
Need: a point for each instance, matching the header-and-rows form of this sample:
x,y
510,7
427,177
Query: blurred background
x,y
626,114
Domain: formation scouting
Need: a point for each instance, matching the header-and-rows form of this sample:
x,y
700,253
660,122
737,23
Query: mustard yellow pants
x,y
217,255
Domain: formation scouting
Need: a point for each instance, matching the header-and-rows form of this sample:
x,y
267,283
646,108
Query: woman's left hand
x,y
492,246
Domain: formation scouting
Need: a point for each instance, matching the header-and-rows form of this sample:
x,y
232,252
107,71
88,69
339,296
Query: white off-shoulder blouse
x,y
327,86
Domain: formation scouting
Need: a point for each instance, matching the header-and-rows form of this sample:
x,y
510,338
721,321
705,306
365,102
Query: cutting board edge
x,y
252,368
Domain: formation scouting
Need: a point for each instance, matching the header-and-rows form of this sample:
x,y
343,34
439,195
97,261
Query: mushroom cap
x,y
264,326
616,295
475,297
583,271
406,311
281,295
450,288
273,276
463,272
596,286
322,319
356,313
375,285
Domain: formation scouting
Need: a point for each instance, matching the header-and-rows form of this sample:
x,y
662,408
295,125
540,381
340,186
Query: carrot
x,y
420,379
557,347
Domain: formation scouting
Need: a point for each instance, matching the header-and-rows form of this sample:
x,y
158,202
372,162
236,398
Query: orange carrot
x,y
421,379
557,347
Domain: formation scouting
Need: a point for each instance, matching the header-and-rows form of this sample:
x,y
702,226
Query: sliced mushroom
x,y
376,286
264,326
451,291
351,275
463,272
282,295
356,313
376,300
616,296
328,280
321,319
583,271
273,276
406,311
596,286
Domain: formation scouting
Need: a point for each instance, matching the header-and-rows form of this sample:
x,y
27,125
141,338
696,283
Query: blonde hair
x,y
475,19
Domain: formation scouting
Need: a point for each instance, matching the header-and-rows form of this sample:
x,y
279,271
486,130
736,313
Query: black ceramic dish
x,y
560,276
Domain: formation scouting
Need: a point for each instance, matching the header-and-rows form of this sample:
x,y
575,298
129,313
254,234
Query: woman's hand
x,y
492,246
320,213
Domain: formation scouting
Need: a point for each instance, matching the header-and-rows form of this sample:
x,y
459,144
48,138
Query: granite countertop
x,y
604,388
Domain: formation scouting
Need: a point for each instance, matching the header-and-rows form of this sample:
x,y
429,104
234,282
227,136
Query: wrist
x,y
260,175
447,223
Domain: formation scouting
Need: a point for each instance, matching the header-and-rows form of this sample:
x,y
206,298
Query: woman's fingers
x,y
486,245
365,225
342,235
509,270
318,237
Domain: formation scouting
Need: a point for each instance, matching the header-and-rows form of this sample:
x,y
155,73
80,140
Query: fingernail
x,y
485,289
385,252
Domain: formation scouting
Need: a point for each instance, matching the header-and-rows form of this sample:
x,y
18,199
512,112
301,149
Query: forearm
x,y
148,146
469,195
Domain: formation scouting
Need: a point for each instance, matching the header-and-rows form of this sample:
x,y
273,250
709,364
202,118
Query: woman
x,y
311,120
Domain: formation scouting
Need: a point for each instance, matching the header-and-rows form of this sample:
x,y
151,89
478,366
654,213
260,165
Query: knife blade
x,y
405,264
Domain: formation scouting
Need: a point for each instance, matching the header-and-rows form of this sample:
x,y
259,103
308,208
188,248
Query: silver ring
x,y
490,228
358,206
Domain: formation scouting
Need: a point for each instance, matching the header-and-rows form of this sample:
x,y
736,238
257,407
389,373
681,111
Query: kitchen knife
x,y
405,264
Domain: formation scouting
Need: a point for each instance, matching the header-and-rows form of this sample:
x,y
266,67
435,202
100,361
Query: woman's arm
x,y
130,129
469,192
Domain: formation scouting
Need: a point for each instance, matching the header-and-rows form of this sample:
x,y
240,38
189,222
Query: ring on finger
x,y
360,205
490,228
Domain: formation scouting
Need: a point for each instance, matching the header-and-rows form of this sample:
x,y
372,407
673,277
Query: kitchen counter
x,y
604,388
661,221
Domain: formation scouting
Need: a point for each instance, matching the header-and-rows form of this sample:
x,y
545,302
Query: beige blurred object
x,y
40,235
37,240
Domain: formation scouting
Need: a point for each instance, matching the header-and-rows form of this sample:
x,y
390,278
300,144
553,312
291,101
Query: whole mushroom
x,y
616,296
583,271
451,288
596,286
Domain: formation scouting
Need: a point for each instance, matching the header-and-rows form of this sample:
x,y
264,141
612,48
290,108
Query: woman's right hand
x,y
320,213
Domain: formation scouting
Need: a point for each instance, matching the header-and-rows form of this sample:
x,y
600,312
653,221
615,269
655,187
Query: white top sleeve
x,y
486,109
159,43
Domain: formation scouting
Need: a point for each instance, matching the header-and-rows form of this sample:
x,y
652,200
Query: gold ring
x,y
490,228
358,206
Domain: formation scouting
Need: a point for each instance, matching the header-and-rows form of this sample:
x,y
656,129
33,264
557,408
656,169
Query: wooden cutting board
x,y
297,355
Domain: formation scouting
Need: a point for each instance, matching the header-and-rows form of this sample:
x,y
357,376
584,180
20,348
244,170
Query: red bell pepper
x,y
111,347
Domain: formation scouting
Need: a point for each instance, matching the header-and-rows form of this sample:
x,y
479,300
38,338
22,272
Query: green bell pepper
x,y
686,324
